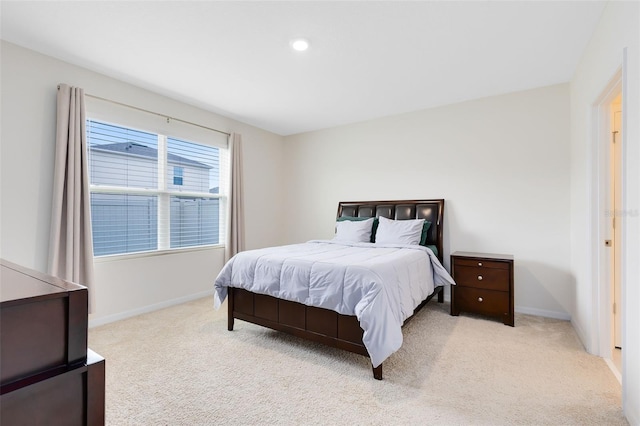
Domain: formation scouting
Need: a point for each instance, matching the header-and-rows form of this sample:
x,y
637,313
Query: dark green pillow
x,y
358,219
425,229
434,249
352,218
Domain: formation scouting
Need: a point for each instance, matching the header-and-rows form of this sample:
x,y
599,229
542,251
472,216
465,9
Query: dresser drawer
x,y
482,277
488,302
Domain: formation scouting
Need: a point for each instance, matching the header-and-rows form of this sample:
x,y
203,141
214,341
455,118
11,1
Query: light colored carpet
x,y
180,366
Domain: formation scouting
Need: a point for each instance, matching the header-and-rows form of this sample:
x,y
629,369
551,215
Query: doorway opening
x,y
615,192
608,225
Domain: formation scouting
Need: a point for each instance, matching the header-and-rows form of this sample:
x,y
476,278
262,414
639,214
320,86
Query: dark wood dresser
x,y
47,374
484,284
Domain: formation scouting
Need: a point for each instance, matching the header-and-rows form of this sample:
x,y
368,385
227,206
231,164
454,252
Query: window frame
x,y
164,194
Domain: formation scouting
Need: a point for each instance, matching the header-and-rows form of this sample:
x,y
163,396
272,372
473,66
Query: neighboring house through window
x,y
151,192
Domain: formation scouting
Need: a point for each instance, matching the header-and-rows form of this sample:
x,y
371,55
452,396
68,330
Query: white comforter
x,y
380,284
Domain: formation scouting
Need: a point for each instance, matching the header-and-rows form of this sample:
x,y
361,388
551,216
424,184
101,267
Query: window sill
x,y
143,254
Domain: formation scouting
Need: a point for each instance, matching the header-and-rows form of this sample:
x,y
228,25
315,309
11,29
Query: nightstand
x,y
484,284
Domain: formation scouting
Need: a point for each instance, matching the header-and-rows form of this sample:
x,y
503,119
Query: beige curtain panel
x,y
235,222
71,244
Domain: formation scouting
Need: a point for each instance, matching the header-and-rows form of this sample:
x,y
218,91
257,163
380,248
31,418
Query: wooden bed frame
x,y
323,325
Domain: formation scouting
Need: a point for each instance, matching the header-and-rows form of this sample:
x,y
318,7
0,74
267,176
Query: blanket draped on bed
x,y
381,284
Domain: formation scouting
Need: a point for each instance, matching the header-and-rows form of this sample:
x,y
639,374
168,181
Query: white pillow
x,y
399,231
354,231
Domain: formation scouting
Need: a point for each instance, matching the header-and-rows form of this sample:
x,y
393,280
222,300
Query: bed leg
x,y
441,295
230,323
377,372
230,310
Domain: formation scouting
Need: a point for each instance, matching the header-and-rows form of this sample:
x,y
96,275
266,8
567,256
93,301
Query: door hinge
x,y
614,135
614,308
614,223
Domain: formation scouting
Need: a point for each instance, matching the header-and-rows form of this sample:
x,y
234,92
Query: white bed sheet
x,y
380,284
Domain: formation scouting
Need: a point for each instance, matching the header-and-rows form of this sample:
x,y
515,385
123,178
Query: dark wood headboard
x,y
431,210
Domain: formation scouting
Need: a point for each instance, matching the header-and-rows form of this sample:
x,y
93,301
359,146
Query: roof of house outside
x,y
132,148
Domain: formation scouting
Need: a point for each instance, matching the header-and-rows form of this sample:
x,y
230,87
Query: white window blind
x,y
153,192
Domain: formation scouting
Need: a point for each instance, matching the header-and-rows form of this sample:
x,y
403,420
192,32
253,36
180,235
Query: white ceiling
x,y
367,59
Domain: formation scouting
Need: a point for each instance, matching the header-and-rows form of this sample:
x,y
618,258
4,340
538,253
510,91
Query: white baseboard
x,y
543,313
632,412
150,308
583,337
613,369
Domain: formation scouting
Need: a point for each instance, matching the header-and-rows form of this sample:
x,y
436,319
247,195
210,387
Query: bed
x,y
358,294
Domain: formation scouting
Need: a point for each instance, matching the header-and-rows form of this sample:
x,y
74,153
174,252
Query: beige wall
x,y
603,57
501,163
124,286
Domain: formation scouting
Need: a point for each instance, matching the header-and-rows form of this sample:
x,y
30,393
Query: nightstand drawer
x,y
488,302
482,263
481,277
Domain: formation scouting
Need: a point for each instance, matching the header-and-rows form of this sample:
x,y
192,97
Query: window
x,y
178,175
152,192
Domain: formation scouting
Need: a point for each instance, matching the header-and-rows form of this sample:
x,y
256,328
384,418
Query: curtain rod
x,y
158,114
155,113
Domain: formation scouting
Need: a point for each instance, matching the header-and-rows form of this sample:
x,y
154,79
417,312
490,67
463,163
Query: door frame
x,y
600,221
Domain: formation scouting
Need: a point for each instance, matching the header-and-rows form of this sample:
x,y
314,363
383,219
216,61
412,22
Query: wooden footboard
x,y
308,322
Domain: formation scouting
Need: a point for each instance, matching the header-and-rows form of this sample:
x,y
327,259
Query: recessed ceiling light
x,y
299,44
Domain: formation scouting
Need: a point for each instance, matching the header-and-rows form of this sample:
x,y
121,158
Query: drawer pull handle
x,y
479,263
480,299
479,277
